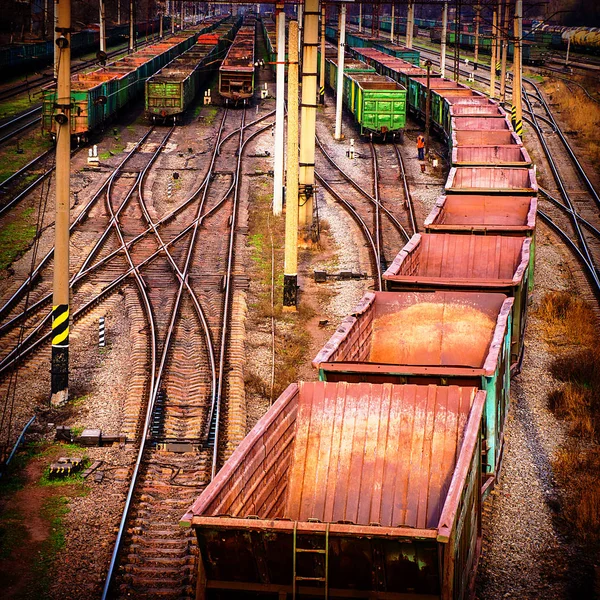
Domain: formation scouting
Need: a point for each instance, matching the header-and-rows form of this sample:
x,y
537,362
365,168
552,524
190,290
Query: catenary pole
x,y
443,41
290,269
308,111
279,115
518,69
493,57
60,291
322,61
131,29
340,72
505,40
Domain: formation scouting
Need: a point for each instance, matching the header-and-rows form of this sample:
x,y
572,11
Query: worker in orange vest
x,y
421,147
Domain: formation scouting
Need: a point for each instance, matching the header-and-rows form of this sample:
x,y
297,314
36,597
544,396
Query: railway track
x,y
376,220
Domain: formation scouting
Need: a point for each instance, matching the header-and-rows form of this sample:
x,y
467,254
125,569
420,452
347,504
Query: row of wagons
x,y
369,483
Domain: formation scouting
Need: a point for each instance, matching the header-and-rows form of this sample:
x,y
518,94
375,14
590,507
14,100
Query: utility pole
x,y
392,18
518,69
279,114
410,25
308,112
443,41
477,21
428,64
322,61
160,27
102,26
131,32
118,12
56,49
505,38
360,18
290,269
457,22
172,13
340,72
493,59
60,293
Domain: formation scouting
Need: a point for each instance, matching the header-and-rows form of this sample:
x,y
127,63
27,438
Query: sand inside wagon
x,y
431,333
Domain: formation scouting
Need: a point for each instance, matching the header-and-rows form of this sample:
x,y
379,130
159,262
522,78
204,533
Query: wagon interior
x,y
417,329
468,211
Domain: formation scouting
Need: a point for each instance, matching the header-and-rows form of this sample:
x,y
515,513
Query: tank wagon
x,y
377,103
171,90
348,516
236,73
100,95
445,261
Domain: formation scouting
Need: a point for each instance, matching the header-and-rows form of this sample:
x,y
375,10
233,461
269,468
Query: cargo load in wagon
x,y
481,156
348,490
492,180
441,261
429,337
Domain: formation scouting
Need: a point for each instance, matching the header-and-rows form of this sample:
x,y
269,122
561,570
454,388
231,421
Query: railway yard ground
x,y
541,524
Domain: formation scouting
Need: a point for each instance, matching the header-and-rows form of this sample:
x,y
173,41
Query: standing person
x,y
421,147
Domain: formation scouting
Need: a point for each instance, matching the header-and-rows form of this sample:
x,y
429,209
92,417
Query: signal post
x,y
60,295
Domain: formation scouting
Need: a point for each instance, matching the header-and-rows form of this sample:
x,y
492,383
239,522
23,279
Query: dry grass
x,y
579,470
569,325
581,114
567,320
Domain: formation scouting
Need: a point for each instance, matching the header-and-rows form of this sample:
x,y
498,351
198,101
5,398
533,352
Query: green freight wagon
x,y
377,103
408,54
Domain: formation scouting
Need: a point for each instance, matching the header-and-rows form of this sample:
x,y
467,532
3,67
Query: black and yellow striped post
x,y
513,115
60,295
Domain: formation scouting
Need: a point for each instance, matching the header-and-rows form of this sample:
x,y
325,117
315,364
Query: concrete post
x,y
290,269
160,29
172,13
444,36
308,112
102,25
60,294
279,116
518,69
131,30
477,21
410,25
360,18
322,61
56,49
505,39
299,26
340,73
392,19
493,58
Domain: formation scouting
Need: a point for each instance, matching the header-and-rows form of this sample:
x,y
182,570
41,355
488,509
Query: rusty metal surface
x,y
419,332
484,138
398,64
381,454
441,84
483,212
240,57
366,455
491,156
492,180
485,123
476,108
445,259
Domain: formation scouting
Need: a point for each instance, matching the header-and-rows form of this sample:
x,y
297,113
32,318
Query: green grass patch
x,y
209,113
75,478
54,510
11,160
18,105
16,237
12,532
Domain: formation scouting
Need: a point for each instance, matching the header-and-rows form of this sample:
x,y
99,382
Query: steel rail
x,y
361,190
376,212
157,379
13,133
25,168
407,194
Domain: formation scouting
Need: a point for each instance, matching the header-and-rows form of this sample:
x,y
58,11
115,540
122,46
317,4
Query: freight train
x,y
236,73
171,90
377,103
100,95
23,57
370,482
